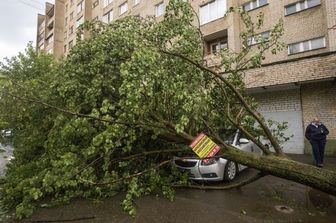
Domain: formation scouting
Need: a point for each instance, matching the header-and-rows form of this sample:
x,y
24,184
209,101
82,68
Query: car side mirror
x,y
243,141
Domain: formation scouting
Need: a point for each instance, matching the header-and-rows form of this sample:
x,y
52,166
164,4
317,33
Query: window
x,y
50,39
65,48
71,30
300,6
71,15
40,37
159,9
107,2
307,45
108,17
65,34
254,4
70,44
66,7
95,4
123,8
80,7
135,2
218,45
66,21
259,38
212,11
79,21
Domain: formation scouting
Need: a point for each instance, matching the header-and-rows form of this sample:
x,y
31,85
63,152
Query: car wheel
x,y
230,171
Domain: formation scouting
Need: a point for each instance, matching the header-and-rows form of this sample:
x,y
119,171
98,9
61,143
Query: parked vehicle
x,y
217,169
6,133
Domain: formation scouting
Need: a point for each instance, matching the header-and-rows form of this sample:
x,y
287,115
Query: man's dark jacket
x,y
316,133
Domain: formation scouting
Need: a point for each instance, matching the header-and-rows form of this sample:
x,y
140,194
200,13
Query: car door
x,y
246,145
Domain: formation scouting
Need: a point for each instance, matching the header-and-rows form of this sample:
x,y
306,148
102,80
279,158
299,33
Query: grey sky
x,y
18,21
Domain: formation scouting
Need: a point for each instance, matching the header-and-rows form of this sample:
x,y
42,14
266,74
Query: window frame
x,y
208,5
251,5
298,7
121,6
79,21
95,4
109,15
301,45
70,45
80,6
157,9
71,30
217,42
253,39
71,16
107,3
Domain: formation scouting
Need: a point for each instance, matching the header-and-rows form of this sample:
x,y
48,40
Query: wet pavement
x,y
269,199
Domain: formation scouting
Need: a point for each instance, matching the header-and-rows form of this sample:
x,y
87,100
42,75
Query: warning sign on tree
x,y
203,146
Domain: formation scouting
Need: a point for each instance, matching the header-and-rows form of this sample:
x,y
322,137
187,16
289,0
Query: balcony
x,y
212,46
50,24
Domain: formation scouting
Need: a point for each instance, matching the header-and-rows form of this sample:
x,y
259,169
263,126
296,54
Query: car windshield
x,y
230,139
228,135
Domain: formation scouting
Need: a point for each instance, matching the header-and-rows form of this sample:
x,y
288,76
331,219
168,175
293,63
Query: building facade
x,y
295,85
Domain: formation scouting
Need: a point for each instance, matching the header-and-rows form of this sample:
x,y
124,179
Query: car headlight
x,y
207,162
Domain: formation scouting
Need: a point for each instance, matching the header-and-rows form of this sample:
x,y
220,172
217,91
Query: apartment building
x,y
296,85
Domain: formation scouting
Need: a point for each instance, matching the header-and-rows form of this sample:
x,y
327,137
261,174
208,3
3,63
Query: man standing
x,y
317,133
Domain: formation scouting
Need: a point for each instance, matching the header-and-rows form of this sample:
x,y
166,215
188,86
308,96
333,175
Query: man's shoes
x,y
320,165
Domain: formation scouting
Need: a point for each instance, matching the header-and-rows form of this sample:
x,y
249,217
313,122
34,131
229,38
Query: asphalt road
x,y
269,199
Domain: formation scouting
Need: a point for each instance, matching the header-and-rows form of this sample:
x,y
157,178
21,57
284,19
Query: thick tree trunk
x,y
280,166
318,178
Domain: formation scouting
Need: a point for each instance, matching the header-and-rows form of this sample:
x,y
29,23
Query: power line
x,y
30,5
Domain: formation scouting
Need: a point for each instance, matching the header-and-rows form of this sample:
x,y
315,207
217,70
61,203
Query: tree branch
x,y
240,97
146,154
245,132
128,177
226,187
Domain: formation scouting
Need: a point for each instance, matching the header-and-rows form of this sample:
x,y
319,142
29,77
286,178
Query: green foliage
x,y
119,93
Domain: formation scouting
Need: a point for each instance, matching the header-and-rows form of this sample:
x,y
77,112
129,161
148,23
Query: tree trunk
x,y
280,166
318,178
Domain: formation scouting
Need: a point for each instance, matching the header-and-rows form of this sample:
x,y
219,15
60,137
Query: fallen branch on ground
x,y
65,220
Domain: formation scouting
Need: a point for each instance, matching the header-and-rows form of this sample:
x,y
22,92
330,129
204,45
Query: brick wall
x,y
315,68
285,100
319,100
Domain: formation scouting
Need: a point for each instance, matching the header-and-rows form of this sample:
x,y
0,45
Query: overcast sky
x,y
18,21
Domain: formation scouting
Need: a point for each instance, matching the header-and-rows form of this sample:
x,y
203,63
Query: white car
x,y
217,169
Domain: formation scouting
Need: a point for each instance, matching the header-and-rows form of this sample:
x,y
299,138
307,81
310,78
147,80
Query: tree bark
x,y
318,178
283,167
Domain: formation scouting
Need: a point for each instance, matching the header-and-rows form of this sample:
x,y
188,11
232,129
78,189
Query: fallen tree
x,y
110,116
